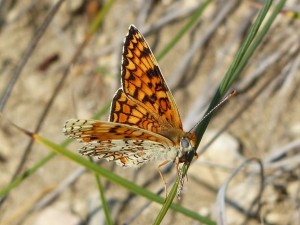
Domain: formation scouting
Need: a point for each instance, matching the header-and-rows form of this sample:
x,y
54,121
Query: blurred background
x,y
71,72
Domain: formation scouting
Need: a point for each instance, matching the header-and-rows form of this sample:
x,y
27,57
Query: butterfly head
x,y
187,143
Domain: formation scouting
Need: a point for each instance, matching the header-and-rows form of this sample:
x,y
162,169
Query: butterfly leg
x,y
162,176
180,177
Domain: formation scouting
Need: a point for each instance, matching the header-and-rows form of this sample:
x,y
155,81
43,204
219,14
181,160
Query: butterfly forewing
x,y
143,82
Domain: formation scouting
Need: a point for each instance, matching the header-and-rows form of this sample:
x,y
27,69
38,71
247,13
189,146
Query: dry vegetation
x,y
262,121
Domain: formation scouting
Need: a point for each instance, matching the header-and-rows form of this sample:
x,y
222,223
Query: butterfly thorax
x,y
173,134
184,142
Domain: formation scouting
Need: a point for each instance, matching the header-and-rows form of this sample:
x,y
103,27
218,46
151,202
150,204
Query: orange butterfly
x,y
144,123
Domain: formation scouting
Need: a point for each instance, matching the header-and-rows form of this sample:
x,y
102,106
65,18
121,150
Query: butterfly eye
x,y
184,142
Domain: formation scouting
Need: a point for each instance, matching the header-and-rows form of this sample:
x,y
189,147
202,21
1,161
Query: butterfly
x,y
144,123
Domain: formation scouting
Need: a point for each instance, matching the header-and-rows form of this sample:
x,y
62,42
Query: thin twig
x,y
9,87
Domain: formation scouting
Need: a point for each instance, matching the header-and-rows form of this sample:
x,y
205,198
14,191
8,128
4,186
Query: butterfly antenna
x,y
233,93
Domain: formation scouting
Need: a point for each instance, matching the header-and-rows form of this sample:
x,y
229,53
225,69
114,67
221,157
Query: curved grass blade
x,y
92,30
232,74
179,35
221,196
111,176
18,180
107,214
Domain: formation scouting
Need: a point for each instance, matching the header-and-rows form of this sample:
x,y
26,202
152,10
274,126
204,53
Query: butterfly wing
x,y
130,153
126,111
143,83
127,145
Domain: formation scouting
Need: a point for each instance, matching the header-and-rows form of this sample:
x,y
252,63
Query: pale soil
x,y
271,122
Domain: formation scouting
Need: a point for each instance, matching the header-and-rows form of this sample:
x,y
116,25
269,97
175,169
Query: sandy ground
x,y
269,126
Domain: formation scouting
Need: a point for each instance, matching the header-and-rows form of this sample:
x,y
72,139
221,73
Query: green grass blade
x,y
242,57
102,111
16,182
259,38
230,75
98,20
44,160
172,43
98,169
107,215
106,210
92,29
179,35
168,204
114,178
163,211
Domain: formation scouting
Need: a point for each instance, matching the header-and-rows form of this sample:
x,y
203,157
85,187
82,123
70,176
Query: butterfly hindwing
x,y
127,145
130,153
